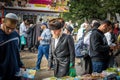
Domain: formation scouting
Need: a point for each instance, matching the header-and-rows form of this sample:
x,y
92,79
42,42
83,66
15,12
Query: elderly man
x,y
62,52
9,49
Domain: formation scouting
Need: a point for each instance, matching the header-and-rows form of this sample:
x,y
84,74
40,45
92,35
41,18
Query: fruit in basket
x,y
119,73
86,75
111,70
32,72
95,74
52,78
67,77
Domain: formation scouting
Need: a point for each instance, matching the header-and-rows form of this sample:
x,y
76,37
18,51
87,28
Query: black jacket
x,y
36,32
33,33
99,49
62,55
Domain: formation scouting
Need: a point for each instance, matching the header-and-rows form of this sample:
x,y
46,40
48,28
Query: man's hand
x,y
117,46
24,68
49,68
114,47
40,38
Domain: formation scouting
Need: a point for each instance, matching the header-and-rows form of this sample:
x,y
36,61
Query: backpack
x,y
85,65
80,48
82,52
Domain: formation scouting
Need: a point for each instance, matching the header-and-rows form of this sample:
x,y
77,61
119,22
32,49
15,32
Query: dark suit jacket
x,y
36,33
62,55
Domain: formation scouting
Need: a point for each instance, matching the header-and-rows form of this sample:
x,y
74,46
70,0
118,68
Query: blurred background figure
x,y
82,29
37,32
23,29
44,41
30,36
110,36
2,21
118,39
116,28
68,30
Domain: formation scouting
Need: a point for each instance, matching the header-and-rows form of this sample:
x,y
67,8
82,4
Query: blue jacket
x,y
46,35
9,55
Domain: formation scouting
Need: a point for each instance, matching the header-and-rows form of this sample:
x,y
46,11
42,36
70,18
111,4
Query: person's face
x,y
66,31
116,25
56,33
27,25
26,22
43,26
86,26
9,25
107,28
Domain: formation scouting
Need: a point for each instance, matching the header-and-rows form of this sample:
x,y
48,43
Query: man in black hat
x,y
68,30
62,52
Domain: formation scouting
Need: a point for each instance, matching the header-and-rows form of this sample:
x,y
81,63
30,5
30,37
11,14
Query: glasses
x,y
9,28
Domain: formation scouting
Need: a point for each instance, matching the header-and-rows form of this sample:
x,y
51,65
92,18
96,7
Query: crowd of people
x,y
54,40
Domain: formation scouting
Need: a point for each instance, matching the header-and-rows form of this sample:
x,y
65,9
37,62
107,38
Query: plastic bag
x,y
72,71
23,40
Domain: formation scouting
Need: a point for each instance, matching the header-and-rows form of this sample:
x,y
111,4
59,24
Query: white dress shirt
x,y
23,29
108,37
56,41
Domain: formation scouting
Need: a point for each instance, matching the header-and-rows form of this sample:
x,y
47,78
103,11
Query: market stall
x,y
32,14
34,9
109,74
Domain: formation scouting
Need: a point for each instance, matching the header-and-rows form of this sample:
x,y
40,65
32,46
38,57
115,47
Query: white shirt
x,y
87,38
108,37
23,29
80,33
56,42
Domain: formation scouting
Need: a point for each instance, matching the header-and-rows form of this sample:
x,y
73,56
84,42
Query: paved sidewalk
x,y
29,60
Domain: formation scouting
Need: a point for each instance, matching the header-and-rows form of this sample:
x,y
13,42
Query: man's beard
x,y
56,36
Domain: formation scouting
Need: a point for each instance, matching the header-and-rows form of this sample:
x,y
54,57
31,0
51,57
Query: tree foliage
x,y
92,9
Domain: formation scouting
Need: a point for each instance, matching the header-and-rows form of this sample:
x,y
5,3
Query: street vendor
x,y
9,49
62,52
